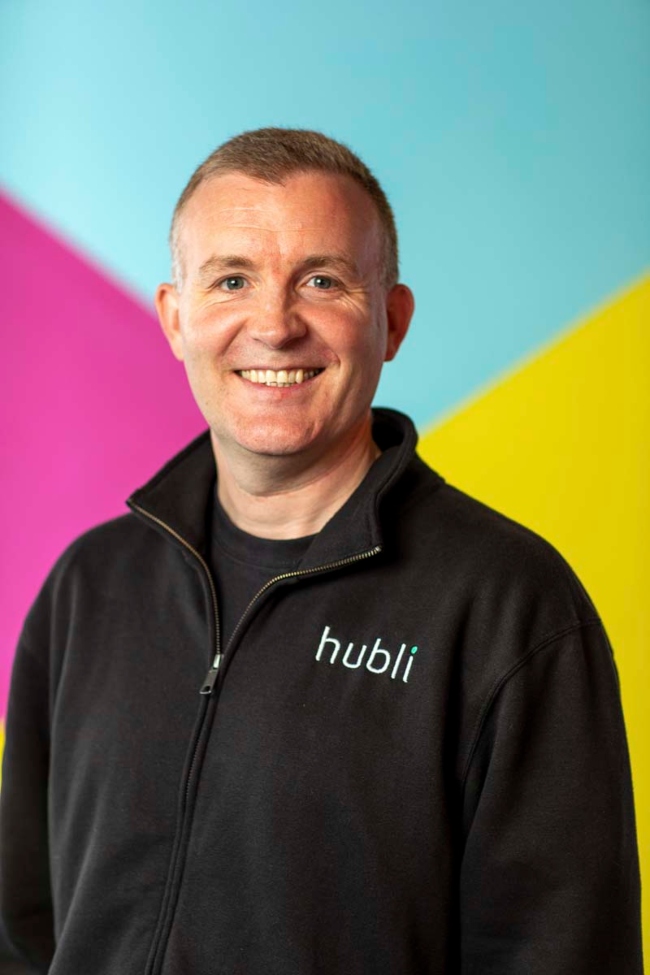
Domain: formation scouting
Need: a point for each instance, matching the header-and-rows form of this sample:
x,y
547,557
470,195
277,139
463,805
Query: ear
x,y
167,302
400,305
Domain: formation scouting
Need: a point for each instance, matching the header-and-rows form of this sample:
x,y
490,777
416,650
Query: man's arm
x,y
26,922
549,878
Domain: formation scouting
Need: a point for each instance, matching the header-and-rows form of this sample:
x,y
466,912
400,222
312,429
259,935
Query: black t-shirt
x,y
243,563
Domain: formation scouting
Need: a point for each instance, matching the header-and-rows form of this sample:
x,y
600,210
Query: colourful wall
x,y
514,142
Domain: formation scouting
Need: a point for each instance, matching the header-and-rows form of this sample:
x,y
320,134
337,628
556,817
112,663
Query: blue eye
x,y
234,283
321,282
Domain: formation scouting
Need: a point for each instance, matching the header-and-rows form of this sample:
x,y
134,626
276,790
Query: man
x,y
315,711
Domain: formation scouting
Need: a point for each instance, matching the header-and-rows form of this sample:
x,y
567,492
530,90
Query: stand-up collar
x,y
177,497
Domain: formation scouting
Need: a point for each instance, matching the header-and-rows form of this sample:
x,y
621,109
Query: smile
x,y
281,377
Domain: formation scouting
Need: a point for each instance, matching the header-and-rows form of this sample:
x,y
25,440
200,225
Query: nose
x,y
276,322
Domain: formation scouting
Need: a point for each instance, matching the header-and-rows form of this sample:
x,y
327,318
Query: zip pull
x,y
211,676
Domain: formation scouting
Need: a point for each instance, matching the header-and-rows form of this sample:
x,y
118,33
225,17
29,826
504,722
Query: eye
x,y
321,282
234,283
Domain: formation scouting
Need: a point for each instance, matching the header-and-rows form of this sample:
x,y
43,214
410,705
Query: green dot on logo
x,y
414,649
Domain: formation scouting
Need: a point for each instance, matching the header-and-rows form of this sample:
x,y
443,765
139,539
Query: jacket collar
x,y
176,499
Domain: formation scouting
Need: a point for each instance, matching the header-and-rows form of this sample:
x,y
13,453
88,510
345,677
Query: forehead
x,y
309,212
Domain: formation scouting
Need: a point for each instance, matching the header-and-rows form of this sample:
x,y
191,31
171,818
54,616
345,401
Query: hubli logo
x,y
378,662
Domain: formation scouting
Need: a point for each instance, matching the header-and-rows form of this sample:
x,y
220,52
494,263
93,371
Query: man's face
x,y
282,320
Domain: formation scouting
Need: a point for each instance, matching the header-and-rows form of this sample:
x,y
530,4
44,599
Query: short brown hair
x,y
272,154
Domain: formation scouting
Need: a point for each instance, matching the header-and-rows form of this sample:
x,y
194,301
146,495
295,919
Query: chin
x,y
275,446
270,441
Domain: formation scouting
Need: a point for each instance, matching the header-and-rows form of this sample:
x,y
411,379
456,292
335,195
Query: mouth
x,y
279,377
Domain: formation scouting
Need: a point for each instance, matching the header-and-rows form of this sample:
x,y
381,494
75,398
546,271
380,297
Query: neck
x,y
287,497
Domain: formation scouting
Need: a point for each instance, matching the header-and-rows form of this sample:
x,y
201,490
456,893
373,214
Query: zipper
x,y
213,673
213,592
317,570
157,952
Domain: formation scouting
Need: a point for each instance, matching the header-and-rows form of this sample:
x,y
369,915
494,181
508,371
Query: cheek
x,y
348,332
207,332
364,343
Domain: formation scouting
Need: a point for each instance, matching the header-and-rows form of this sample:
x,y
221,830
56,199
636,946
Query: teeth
x,y
269,377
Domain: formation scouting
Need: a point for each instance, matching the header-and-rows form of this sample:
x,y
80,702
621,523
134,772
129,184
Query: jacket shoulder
x,y
489,556
103,543
95,561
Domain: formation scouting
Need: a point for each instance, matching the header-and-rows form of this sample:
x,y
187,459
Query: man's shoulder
x,y
483,550
97,560
115,538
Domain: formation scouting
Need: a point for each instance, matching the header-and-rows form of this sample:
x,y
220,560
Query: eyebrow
x,y
230,262
335,261
216,265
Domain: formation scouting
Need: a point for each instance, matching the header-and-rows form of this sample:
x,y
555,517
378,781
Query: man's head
x,y
285,313
272,155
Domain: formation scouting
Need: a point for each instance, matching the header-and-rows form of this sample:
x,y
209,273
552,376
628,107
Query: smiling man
x,y
307,709
284,320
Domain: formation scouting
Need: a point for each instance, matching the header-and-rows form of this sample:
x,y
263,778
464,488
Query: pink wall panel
x,y
93,403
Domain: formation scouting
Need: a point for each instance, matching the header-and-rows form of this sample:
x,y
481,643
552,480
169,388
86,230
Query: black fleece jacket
x,y
409,759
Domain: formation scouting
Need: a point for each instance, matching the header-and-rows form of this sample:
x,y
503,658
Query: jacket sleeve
x,y
26,923
549,875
